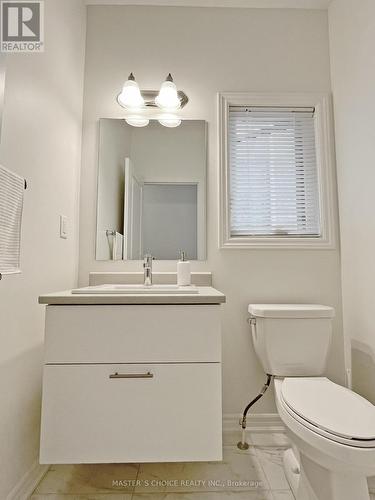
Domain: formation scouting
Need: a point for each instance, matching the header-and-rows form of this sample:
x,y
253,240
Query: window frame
x,y
325,168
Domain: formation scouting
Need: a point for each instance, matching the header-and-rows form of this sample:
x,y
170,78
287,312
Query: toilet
x,y
331,428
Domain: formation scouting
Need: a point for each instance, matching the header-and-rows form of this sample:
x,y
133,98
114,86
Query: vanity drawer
x,y
166,413
132,334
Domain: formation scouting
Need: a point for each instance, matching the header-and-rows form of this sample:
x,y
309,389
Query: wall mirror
x,y
151,190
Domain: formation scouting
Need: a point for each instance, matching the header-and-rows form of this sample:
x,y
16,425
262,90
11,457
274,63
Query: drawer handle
x,y
131,375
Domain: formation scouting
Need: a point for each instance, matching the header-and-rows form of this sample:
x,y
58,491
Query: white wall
x,y
211,50
41,140
352,42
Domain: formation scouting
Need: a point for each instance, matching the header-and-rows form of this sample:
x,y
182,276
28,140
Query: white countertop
x,y
206,295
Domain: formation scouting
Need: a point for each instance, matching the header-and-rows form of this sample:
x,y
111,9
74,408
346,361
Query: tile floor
x,y
254,474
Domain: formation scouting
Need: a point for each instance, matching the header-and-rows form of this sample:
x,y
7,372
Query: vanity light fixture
x,y
161,105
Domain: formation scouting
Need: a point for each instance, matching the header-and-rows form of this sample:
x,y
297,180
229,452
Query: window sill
x,y
269,243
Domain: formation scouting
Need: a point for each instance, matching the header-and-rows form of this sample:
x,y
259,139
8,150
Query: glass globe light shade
x,y
167,97
130,96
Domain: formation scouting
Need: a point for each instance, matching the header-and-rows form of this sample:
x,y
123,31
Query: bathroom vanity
x,y
132,377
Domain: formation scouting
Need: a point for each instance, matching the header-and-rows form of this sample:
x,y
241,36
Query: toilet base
x,y
310,481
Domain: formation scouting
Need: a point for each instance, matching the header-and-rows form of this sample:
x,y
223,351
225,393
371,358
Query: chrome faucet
x,y
147,269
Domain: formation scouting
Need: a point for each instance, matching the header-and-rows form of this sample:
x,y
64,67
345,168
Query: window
x,y
275,173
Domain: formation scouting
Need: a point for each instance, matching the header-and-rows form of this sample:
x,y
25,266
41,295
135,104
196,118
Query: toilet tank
x,y
292,340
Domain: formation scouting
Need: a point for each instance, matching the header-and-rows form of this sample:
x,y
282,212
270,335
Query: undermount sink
x,y
137,289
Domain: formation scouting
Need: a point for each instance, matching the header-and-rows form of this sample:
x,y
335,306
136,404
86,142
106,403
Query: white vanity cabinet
x,y
131,383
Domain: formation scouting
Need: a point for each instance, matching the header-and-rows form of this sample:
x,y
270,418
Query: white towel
x,y
117,246
12,188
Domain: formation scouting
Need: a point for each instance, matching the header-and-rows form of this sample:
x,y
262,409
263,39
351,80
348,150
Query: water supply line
x,y
243,445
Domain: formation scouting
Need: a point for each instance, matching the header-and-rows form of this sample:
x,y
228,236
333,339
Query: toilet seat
x,y
330,410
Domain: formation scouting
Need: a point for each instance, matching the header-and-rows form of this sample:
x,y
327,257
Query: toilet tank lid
x,y
291,311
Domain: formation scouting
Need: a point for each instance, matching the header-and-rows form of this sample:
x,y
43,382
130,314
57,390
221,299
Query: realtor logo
x,y
22,26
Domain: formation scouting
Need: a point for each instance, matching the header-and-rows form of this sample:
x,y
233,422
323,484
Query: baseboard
x,y
256,422
28,482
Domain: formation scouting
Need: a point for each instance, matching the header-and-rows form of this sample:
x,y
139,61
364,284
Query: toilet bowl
x,y
335,454
332,429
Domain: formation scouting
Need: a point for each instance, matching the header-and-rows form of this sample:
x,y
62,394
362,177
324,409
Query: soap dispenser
x,y
183,271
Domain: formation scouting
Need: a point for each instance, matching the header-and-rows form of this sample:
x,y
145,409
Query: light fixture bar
x,y
150,95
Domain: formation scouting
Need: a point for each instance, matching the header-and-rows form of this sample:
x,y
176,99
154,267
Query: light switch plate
x,y
63,227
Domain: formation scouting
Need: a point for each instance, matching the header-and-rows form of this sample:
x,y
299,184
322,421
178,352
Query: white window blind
x,y
273,172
